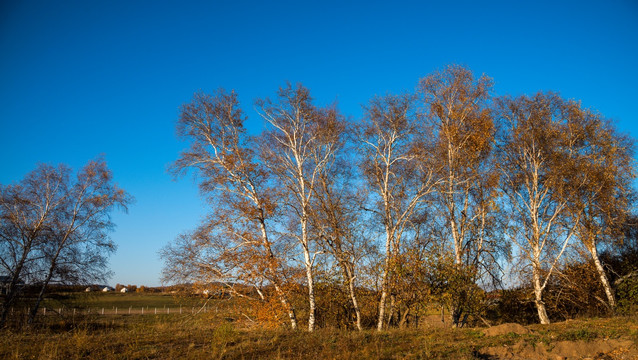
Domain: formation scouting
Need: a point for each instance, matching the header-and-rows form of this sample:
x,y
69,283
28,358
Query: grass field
x,y
123,301
216,335
111,299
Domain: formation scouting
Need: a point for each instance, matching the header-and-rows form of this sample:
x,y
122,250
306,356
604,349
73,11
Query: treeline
x,y
435,196
431,195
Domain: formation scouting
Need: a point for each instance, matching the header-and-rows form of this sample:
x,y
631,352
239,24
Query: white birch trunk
x,y
355,304
384,281
538,295
311,291
603,277
309,275
275,277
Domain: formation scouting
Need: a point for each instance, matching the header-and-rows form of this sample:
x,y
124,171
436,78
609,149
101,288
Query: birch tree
x,y
76,244
604,171
238,184
25,208
335,219
537,170
395,164
457,106
298,147
55,227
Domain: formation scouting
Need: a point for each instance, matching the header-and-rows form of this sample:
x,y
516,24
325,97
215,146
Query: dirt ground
x,y
564,350
607,349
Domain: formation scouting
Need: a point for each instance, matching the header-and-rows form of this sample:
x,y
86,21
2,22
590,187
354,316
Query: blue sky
x,y
84,78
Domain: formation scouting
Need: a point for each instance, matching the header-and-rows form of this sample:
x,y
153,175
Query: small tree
x,y
68,237
25,209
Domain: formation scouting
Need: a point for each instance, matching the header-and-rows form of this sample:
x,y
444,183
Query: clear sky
x,y
83,78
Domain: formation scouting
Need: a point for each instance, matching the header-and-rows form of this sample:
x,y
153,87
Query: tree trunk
x,y
456,316
289,309
538,296
36,306
384,281
13,290
311,290
392,310
404,318
384,295
275,277
9,299
350,278
603,278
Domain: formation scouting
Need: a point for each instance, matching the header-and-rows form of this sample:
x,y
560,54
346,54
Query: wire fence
x,y
115,310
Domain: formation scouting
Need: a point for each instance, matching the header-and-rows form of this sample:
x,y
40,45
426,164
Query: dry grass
x,y
228,335
199,337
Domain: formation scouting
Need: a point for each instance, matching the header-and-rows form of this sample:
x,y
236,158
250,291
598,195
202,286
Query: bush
x,y
512,305
627,294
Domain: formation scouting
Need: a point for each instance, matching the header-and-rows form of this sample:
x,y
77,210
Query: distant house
x,y
88,289
124,290
107,289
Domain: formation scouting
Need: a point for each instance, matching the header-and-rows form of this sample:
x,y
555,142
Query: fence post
x,y
129,310
102,311
116,310
168,310
44,311
155,311
142,310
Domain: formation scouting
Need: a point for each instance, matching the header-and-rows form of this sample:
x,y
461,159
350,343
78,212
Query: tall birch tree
x,y
238,184
298,147
336,216
458,107
604,171
537,173
396,166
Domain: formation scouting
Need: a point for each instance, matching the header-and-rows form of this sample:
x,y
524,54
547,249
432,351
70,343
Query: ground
x,y
215,335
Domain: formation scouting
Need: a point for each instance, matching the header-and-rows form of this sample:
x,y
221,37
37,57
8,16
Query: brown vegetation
x,y
228,334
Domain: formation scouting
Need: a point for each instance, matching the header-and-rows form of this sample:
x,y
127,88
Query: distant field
x,y
117,303
111,299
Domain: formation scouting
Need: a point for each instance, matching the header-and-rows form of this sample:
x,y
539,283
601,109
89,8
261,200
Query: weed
x,y
579,334
477,334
